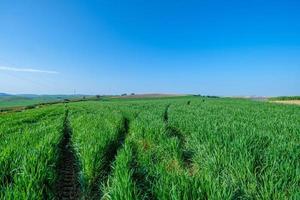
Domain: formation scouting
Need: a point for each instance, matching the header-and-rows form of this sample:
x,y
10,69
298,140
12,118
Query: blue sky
x,y
111,47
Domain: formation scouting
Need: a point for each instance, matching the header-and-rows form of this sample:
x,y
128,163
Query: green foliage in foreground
x,y
94,134
181,148
29,153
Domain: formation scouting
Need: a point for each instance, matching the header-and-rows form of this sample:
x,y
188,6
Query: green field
x,y
8,102
165,148
16,101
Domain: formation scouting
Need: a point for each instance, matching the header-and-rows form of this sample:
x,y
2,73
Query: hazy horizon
x,y
232,48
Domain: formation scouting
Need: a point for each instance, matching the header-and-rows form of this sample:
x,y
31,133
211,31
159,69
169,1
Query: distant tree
x,y
124,94
132,94
98,96
30,107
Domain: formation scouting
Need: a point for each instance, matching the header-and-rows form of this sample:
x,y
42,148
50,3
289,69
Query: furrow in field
x,y
110,153
171,131
166,116
67,168
187,155
141,178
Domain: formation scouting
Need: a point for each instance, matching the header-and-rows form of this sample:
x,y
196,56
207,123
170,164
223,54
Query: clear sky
x,y
213,47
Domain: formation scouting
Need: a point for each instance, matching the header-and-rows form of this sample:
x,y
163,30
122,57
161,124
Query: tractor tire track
x,y
68,187
166,115
141,177
187,155
109,156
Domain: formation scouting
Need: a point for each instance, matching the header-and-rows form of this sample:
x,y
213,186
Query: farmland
x,y
17,102
164,148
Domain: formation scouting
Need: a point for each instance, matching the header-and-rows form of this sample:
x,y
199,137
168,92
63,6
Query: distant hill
x,y
10,100
4,94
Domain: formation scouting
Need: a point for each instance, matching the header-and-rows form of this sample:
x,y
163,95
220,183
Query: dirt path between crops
x,y
68,186
295,102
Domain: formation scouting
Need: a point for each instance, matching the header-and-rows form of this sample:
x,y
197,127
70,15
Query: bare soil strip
x,y
295,102
68,187
109,157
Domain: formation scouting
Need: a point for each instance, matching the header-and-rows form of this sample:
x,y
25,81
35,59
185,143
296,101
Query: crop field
x,y
164,148
18,102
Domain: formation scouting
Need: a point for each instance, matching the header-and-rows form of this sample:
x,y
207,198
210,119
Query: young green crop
x,y
209,149
174,148
242,149
28,153
154,169
97,130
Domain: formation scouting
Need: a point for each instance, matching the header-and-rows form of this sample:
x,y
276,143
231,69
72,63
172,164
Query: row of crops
x,y
28,153
175,148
